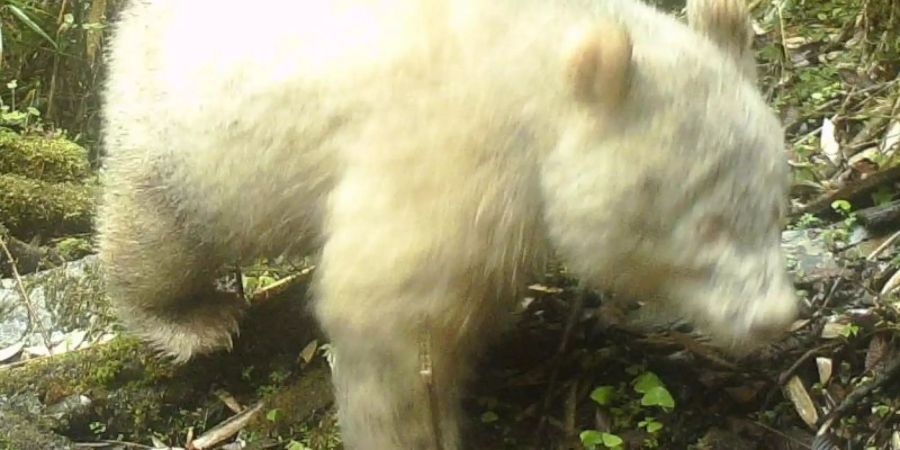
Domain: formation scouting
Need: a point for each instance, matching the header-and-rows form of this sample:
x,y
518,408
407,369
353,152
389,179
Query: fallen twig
x,y
575,310
784,376
884,245
850,191
226,429
280,285
890,371
780,434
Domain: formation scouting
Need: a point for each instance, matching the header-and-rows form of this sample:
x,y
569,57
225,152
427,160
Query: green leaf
x,y
294,445
273,414
881,410
658,396
646,381
610,440
840,205
591,438
265,280
30,23
603,394
489,417
650,424
849,330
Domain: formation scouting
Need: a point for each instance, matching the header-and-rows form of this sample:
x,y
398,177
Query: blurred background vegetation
x,y
51,66
51,71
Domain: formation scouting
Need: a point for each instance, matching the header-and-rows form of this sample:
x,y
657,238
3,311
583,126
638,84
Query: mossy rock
x,y
28,432
135,394
51,159
30,207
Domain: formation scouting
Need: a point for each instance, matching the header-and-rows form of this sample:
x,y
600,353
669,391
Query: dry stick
x,y
114,442
884,245
890,371
784,48
280,286
782,379
830,294
881,423
808,135
563,344
32,316
236,272
781,434
865,137
867,184
226,429
856,93
571,410
55,71
873,89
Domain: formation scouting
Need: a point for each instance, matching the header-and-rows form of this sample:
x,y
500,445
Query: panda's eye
x,y
713,228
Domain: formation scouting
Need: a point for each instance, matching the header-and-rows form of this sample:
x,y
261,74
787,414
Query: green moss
x,y
72,248
122,377
136,395
74,296
296,403
32,207
26,431
49,159
66,374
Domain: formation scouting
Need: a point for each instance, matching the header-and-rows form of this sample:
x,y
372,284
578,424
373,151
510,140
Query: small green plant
x,y
807,220
279,376
320,436
592,439
603,395
295,445
655,393
842,207
652,427
253,284
650,424
849,330
628,410
98,428
273,415
841,231
489,417
881,410
13,115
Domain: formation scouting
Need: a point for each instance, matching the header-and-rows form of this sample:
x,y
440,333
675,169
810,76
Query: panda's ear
x,y
726,23
598,63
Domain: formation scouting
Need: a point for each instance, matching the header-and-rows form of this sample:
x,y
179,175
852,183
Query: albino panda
x,y
433,153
